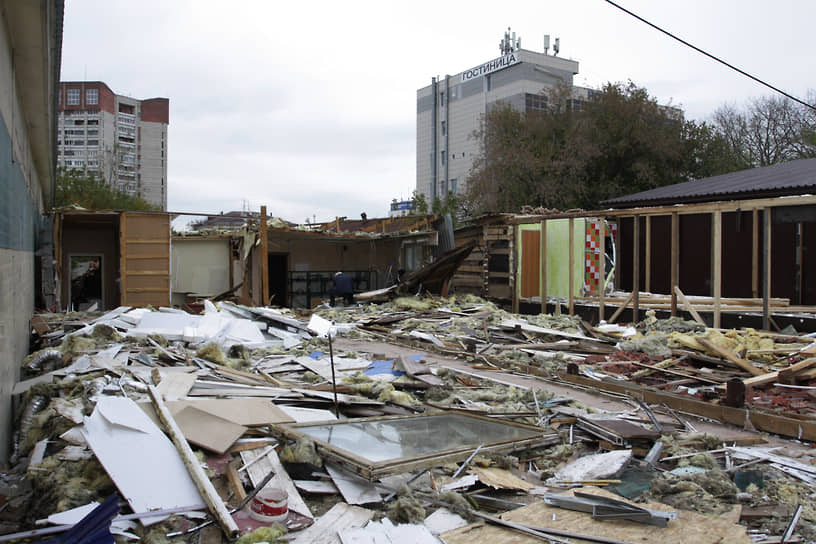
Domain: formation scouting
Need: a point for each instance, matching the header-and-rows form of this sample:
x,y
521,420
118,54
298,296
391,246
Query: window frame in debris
x,y
375,469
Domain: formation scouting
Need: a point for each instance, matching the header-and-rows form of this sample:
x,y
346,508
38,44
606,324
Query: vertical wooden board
x,y
716,264
530,262
145,259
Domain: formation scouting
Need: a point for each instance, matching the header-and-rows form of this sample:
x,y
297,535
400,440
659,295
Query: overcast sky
x,y
310,107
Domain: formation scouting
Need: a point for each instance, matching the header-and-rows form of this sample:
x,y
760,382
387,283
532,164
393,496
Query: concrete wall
x,y
30,44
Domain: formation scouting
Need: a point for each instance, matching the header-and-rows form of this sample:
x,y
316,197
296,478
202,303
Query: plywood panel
x,y
145,259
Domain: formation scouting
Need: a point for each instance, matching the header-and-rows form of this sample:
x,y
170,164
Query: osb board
x,y
688,527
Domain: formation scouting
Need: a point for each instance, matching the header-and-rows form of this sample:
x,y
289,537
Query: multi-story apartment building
x,y
450,110
122,139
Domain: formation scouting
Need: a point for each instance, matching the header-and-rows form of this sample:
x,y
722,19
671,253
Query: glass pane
x,y
388,440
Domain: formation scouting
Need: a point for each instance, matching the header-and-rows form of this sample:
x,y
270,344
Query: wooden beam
x,y
772,377
675,260
688,307
514,285
621,308
543,286
755,254
264,258
202,482
602,284
571,298
716,264
647,281
636,270
730,356
122,260
766,269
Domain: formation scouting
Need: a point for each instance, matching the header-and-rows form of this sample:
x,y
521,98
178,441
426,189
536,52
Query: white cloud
x,y
310,107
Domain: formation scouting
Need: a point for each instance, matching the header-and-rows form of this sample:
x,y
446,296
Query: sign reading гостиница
x,y
491,66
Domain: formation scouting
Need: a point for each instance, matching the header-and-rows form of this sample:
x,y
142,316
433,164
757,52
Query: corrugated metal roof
x,y
784,179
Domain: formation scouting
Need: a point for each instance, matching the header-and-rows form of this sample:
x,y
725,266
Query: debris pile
x,y
418,419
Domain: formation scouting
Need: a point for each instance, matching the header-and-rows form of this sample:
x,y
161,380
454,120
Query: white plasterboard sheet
x,y
307,415
139,458
320,487
355,490
385,532
341,516
444,520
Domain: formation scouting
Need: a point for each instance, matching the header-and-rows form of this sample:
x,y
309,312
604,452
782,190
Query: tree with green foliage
x,y
85,189
576,154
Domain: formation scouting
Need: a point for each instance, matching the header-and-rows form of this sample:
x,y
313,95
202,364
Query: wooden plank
x,y
636,270
264,257
730,356
762,421
235,482
602,285
772,377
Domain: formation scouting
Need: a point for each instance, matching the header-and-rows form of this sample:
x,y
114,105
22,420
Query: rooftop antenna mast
x,y
510,43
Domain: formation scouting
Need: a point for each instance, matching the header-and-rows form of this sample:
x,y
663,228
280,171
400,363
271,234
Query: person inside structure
x,y
342,286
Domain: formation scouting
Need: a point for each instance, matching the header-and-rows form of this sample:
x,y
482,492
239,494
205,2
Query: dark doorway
x,y
86,282
278,278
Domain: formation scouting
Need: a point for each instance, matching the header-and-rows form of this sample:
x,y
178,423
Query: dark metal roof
x,y
784,179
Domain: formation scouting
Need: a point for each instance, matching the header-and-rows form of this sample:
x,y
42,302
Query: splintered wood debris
x,y
259,399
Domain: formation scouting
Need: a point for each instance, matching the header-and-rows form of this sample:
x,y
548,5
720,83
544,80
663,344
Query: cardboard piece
x,y
250,412
206,430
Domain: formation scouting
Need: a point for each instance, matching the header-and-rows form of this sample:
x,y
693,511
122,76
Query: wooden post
x,y
766,268
602,284
122,262
200,479
675,261
755,254
636,269
264,258
716,263
648,279
514,285
543,285
571,306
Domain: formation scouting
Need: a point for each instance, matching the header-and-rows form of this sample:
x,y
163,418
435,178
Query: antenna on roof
x,y
557,46
546,43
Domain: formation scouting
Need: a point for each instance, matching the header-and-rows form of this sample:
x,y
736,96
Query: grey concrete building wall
x,y
153,163
449,119
30,46
120,138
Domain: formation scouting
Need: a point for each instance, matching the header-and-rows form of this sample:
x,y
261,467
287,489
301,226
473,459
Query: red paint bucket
x,y
270,505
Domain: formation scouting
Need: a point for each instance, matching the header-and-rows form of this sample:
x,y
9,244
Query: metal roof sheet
x,y
788,178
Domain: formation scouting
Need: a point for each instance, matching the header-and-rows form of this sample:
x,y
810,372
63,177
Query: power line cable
x,y
709,55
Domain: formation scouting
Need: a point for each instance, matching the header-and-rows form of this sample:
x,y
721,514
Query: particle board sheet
x,y
206,430
688,527
250,412
341,516
175,386
271,463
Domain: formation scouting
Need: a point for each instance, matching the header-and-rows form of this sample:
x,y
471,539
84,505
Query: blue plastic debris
x,y
93,528
382,367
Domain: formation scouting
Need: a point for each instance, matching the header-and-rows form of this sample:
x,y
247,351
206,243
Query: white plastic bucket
x,y
270,505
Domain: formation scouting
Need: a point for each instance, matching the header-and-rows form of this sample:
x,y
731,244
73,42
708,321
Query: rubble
x,y
410,417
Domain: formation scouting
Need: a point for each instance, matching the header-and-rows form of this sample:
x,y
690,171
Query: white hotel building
x,y
451,108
